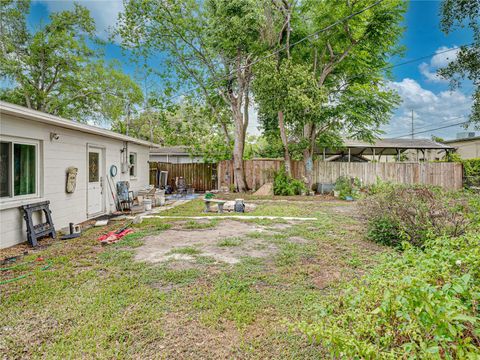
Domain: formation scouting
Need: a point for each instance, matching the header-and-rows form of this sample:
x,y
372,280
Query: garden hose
x,y
24,275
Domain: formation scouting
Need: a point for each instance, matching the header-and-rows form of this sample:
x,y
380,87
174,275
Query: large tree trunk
x,y
283,135
238,147
308,133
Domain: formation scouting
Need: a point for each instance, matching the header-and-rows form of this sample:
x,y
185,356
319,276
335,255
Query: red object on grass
x,y
113,237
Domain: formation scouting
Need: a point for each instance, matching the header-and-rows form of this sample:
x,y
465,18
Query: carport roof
x,y
386,146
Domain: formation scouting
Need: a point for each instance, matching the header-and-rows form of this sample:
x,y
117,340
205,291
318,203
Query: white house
x,y
38,151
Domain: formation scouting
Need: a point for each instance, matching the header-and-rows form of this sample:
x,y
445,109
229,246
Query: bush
x,y
423,304
287,186
384,230
415,213
348,187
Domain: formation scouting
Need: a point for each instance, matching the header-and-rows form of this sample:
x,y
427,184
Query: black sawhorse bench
x,y
35,232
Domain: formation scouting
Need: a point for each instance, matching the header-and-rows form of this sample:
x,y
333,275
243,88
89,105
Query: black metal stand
x,y
35,232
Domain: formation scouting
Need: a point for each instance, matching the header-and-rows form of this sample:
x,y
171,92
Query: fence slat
x,y
260,171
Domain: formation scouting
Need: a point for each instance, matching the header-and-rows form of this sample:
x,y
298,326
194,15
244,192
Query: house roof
x,y
454,141
387,146
171,150
29,114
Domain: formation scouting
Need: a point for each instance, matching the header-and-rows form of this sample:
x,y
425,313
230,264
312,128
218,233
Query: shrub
x,y
386,231
415,213
348,187
287,186
423,304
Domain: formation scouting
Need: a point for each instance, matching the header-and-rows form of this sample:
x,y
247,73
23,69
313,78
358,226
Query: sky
x,y
422,91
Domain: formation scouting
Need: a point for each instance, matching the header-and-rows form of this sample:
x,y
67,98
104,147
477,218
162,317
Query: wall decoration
x,y
71,179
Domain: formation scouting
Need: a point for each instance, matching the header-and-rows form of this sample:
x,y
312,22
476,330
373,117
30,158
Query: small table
x,y
218,202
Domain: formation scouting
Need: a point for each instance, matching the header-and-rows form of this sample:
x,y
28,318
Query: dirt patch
x,y
213,242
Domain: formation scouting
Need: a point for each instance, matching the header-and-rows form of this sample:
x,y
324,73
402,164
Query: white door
x,y
95,181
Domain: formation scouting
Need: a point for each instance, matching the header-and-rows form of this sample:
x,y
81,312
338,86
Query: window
x,y
132,160
93,166
18,169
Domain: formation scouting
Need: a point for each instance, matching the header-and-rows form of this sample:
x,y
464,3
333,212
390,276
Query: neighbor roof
x,y
473,138
171,150
387,146
29,114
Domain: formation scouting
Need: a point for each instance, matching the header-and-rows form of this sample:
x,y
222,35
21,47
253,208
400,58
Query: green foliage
x,y
385,230
286,186
348,187
457,14
416,213
57,69
423,304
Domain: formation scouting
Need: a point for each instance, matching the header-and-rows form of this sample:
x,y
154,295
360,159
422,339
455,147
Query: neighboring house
x,y
387,150
467,148
174,155
36,152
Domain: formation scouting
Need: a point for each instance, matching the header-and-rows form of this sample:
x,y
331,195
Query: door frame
x,y
102,177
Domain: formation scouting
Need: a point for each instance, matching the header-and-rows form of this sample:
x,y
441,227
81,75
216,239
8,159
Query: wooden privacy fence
x,y
259,172
200,176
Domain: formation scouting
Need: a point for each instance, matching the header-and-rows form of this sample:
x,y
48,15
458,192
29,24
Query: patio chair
x,y
125,195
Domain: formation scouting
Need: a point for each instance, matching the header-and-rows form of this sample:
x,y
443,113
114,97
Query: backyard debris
x,y
265,190
75,232
229,206
114,236
101,223
23,276
35,232
237,217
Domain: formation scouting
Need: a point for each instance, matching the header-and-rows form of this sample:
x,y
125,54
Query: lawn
x,y
104,302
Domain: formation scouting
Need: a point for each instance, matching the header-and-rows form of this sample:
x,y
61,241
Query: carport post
x,y
324,154
349,154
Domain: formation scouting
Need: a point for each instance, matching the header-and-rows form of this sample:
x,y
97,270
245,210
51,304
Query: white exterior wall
x,y
54,158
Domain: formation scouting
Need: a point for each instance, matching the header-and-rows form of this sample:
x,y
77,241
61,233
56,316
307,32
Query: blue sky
x,y
422,91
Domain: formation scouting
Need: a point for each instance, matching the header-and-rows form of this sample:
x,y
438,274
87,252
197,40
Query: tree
x,y
333,82
188,123
210,44
55,70
460,14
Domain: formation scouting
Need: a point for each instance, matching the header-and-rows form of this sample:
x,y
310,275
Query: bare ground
x,y
208,242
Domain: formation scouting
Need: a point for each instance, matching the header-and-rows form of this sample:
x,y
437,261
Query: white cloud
x,y
430,110
104,12
443,56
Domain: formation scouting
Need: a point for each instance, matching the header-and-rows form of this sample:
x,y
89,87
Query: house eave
x,y
29,114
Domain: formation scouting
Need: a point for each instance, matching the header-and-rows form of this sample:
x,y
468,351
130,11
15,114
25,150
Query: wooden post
x,y
349,155
398,155
323,154
373,149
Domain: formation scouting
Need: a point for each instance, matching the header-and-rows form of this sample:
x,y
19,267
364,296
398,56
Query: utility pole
x,y
412,126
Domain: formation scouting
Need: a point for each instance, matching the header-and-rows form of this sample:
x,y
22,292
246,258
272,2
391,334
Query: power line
x,y
445,122
388,67
429,130
229,75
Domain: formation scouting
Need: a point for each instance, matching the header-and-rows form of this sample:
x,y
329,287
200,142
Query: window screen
x,y
24,169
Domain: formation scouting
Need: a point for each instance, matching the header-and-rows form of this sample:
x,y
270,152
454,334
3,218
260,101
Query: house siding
x,y
469,149
54,159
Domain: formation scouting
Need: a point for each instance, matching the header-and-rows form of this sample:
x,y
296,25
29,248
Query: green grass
x,y
192,224
186,251
99,302
228,242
